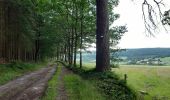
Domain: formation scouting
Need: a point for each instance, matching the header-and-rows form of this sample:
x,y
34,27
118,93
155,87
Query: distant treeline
x,y
145,53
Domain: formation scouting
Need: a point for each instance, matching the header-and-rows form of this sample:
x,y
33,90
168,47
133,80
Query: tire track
x,y
27,87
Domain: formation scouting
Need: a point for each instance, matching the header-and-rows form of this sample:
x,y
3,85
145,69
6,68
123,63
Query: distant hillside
x,y
145,53
132,54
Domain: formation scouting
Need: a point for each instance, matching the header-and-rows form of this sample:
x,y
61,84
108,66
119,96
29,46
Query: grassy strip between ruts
x,y
13,70
51,92
80,89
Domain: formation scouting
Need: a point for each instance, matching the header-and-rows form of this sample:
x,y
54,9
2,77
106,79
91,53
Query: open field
x,y
154,80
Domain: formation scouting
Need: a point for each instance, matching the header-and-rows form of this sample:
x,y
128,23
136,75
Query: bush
x,y
114,65
20,65
15,64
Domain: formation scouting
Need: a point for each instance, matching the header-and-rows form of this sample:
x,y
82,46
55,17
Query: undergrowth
x,y
80,89
108,83
15,69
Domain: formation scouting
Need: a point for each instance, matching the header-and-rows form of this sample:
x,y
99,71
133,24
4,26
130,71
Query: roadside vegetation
x,y
81,89
107,83
76,87
147,81
15,69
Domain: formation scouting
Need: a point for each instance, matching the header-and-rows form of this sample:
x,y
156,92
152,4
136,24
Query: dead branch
x,y
152,15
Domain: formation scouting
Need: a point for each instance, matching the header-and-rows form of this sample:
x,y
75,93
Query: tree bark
x,y
81,35
102,36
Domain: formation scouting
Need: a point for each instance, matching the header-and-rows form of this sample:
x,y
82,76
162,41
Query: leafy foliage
x,y
166,19
43,29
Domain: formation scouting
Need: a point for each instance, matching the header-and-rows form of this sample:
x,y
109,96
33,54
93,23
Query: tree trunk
x,y
37,46
102,36
81,42
81,35
65,53
72,46
75,50
2,31
69,50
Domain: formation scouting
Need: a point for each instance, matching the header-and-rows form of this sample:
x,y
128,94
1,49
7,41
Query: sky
x,y
131,15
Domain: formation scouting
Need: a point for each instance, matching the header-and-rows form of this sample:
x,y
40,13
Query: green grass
x,y
51,92
155,80
12,71
80,89
107,83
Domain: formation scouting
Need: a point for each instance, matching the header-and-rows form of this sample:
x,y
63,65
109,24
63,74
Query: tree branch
x,y
150,15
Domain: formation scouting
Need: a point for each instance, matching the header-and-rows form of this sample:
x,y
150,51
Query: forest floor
x,y
28,87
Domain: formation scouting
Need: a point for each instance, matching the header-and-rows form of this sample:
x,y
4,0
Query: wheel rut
x,y
62,93
28,87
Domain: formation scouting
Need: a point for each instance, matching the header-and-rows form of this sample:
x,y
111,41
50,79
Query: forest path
x,y
28,87
62,94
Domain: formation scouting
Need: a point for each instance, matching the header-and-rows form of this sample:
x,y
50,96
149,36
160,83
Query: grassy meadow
x,y
154,81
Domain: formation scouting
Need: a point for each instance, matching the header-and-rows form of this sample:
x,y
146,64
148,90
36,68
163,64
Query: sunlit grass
x,y
155,80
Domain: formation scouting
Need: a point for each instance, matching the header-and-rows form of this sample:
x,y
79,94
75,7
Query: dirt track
x,y
27,87
62,94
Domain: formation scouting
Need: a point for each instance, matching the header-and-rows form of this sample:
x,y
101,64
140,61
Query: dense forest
x,y
34,30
